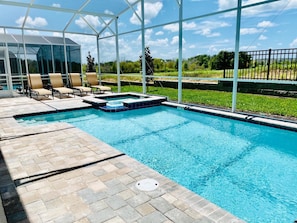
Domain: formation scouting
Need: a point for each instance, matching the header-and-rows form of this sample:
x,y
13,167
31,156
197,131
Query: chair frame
x,y
35,86
76,83
58,86
93,82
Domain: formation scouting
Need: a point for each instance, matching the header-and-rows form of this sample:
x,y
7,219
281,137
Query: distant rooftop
x,y
44,40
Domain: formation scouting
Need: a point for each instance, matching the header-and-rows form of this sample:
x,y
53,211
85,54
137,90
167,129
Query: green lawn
x,y
263,104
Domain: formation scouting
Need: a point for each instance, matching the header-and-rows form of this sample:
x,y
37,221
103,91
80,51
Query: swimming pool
x,y
247,169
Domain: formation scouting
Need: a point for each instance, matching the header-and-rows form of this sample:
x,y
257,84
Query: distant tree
x,y
186,66
225,60
245,60
158,65
33,66
222,61
201,61
170,65
176,64
114,67
129,67
192,66
90,63
149,64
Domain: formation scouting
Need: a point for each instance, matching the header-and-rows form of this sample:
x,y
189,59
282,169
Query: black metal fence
x,y
277,64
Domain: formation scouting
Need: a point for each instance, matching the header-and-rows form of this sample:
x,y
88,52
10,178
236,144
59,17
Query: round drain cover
x,y
147,185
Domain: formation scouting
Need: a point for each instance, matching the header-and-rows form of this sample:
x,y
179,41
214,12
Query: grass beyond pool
x,y
247,169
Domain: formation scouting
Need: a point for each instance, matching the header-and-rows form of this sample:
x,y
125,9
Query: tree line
x,y
221,61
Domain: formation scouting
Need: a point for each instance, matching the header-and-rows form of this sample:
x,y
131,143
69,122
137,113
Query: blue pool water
x,y
249,170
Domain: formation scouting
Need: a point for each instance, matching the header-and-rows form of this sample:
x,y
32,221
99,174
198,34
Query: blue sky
x,y
266,26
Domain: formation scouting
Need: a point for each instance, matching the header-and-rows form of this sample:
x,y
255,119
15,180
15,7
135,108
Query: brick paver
x,y
58,173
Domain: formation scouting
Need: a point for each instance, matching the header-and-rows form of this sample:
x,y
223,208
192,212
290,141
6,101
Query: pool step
x,y
95,102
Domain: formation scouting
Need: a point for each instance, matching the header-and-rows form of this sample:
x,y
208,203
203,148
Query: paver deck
x,y
58,173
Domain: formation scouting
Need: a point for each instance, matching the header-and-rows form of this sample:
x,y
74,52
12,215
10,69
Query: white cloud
x,y
108,12
224,41
92,20
192,46
189,26
152,42
160,33
261,10
265,24
214,24
175,26
247,48
32,32
88,43
226,4
147,35
207,32
175,40
249,31
152,9
262,37
206,28
36,22
57,34
171,27
212,49
158,42
57,5
293,43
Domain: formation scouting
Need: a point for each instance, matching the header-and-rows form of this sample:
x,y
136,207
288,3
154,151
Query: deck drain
x,y
147,185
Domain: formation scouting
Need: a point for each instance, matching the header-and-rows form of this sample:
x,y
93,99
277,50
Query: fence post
x,y
268,63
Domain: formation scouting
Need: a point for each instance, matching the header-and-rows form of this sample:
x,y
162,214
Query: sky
x,y
263,27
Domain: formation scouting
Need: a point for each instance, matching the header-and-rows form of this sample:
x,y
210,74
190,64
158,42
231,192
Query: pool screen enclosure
x,y
108,14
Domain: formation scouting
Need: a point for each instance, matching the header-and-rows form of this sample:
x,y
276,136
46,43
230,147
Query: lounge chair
x,y
94,83
76,83
58,85
36,86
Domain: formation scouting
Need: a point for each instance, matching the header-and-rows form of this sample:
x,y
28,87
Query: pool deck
x,y
58,173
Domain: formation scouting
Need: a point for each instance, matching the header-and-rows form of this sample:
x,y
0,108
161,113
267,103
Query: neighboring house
x,y
34,54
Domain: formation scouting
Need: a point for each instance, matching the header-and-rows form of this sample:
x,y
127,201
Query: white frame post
x,y
8,68
65,54
143,49
180,51
118,56
98,58
236,56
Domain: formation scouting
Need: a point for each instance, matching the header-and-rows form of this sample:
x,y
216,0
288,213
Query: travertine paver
x,y
68,103
58,173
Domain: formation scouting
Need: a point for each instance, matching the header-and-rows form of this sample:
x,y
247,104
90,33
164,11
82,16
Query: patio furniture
x,y
36,86
76,83
93,82
58,85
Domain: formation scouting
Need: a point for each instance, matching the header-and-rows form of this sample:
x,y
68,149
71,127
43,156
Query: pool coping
x,y
268,121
